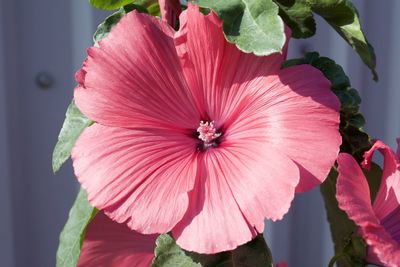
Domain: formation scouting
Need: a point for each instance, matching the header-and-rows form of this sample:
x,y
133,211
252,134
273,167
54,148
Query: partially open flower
x,y
111,244
196,137
378,223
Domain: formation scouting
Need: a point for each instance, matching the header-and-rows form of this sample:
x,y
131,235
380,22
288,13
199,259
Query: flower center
x,y
207,133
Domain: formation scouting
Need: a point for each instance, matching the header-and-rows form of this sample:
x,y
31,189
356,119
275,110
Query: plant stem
x,y
334,259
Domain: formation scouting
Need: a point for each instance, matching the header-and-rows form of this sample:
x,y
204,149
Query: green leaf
x,y
343,17
356,251
169,254
105,27
253,25
298,16
71,237
253,254
109,4
357,120
340,14
331,70
154,9
75,122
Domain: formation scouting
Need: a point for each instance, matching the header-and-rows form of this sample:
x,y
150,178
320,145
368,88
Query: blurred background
x,y
42,44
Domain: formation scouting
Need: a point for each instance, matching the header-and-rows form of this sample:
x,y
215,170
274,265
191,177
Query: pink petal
x,y
110,244
262,179
388,196
170,10
81,74
216,70
302,120
382,249
234,196
352,192
138,177
387,201
213,222
134,79
353,195
391,222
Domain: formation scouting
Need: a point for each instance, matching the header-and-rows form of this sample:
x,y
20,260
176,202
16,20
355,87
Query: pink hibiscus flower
x,y
196,137
378,223
109,244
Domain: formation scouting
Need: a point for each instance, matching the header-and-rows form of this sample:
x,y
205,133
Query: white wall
x,y
6,220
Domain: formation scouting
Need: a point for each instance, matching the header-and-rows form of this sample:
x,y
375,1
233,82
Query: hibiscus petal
x,y
262,189
141,177
215,68
382,249
302,121
213,219
134,78
235,195
391,222
388,196
353,195
109,244
352,192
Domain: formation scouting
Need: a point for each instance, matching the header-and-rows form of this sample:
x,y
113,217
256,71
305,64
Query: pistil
x,y
207,133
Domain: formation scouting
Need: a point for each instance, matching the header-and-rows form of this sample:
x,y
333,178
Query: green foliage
x,y
105,27
253,254
154,9
109,4
343,17
254,26
340,14
169,254
71,237
298,16
75,122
